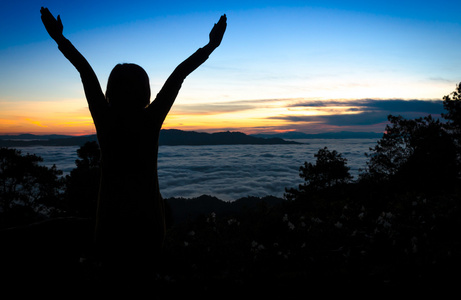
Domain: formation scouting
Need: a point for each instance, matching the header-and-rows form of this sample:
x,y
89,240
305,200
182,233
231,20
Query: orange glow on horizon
x,y
45,117
283,130
70,117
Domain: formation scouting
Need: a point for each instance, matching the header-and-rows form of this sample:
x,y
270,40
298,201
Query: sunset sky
x,y
310,66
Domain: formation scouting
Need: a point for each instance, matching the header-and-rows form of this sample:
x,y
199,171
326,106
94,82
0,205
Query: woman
x,y
130,222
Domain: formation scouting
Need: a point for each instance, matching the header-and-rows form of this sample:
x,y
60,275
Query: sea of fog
x,y
228,172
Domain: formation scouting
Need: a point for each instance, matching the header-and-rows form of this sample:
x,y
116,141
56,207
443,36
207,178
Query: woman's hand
x,y
53,26
217,32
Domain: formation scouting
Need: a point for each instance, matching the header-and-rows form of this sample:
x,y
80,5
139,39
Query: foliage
x,y
27,187
329,170
452,104
82,184
368,240
419,153
89,155
415,152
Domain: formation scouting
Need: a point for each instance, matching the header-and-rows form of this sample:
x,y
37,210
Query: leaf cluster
x,y
26,187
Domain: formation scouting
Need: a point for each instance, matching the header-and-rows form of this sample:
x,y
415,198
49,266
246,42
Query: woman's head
x,y
128,86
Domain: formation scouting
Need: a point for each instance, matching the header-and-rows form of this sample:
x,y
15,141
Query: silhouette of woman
x,y
130,222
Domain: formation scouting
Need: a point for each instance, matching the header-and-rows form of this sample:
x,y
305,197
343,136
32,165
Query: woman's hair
x,y
128,86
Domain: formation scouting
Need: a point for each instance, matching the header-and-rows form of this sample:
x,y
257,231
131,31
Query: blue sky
x,y
361,59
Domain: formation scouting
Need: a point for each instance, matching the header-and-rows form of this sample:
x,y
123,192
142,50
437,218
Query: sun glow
x,y
44,117
249,116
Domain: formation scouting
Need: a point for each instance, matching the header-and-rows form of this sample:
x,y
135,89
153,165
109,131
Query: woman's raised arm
x,y
93,91
167,95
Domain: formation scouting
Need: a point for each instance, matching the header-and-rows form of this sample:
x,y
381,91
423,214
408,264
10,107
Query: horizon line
x,y
199,131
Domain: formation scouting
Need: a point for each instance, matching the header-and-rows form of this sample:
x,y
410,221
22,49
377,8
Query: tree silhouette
x,y
329,170
89,155
82,184
417,153
27,189
452,104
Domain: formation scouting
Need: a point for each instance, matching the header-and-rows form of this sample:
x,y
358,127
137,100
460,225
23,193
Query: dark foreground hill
x,y
184,209
351,239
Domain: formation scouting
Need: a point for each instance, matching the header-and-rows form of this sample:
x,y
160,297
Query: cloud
x,y
211,108
228,172
365,118
362,112
405,106
390,105
300,114
225,107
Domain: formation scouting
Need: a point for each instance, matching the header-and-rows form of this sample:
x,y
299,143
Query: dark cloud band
x,y
365,111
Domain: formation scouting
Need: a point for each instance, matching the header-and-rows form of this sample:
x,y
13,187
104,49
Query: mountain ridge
x,y
168,137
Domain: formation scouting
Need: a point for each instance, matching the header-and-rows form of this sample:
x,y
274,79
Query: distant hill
x,y
326,135
26,140
175,137
171,137
180,137
29,137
